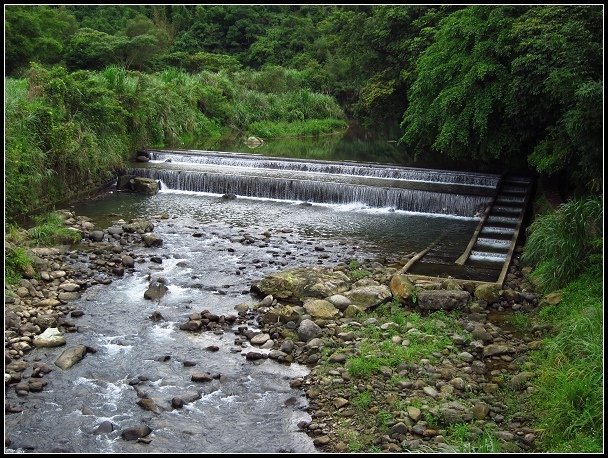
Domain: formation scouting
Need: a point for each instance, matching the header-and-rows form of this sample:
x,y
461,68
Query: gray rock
x,y
480,410
155,291
281,314
339,301
145,185
241,308
47,303
498,349
340,402
65,296
402,288
488,292
127,261
105,427
70,356
151,240
337,358
51,337
201,377
519,381
453,412
319,308
138,226
135,432
277,354
414,413
260,339
96,236
308,330
442,300
287,346
399,428
148,404
430,391
369,296
305,282
352,311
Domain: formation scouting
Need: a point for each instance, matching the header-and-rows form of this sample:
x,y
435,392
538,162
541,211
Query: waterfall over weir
x,y
374,185
332,167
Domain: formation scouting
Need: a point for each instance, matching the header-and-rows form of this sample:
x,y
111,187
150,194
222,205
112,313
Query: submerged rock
x,y
135,432
71,356
155,291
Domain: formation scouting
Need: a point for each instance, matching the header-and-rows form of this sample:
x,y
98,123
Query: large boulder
x,y
488,292
304,282
70,356
402,288
442,300
320,308
145,185
368,296
51,337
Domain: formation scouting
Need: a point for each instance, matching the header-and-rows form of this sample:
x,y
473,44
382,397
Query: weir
x,y
497,201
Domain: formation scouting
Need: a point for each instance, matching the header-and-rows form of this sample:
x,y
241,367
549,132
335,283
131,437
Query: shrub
x,y
564,242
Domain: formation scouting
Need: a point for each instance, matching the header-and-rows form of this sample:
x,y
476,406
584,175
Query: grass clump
x,y
431,335
303,128
563,242
50,229
16,262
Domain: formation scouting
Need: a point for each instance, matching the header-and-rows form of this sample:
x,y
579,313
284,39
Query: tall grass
x,y
569,397
67,132
564,242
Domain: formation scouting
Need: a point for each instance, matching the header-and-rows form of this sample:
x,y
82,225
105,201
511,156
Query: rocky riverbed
x,y
362,331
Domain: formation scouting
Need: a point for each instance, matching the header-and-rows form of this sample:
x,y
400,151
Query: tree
x,y
513,82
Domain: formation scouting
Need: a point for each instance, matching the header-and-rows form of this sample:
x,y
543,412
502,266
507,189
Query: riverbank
x,y
390,377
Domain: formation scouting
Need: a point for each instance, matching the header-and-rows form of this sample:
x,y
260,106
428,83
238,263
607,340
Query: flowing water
x,y
213,250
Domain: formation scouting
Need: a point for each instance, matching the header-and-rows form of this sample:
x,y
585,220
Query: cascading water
x,y
374,185
338,168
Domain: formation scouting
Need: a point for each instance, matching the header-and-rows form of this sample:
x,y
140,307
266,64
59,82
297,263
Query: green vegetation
x,y
568,401
362,400
50,230
356,273
16,262
67,131
312,127
426,335
563,243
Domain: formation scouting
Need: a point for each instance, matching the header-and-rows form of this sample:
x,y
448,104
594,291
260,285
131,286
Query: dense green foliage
x,y
563,243
67,131
514,82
